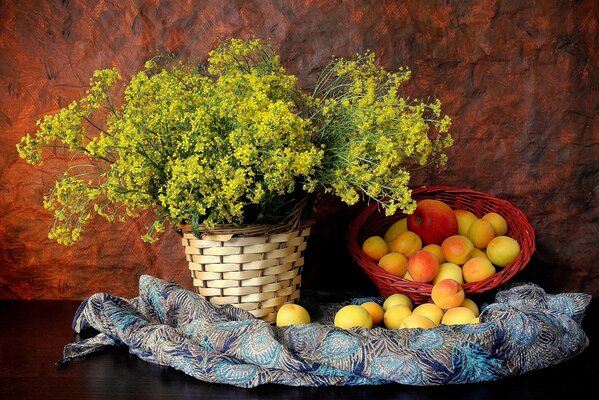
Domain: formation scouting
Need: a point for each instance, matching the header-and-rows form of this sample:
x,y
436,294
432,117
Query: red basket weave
x,y
372,221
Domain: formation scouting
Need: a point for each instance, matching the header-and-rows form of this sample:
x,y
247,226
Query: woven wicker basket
x,y
372,221
257,268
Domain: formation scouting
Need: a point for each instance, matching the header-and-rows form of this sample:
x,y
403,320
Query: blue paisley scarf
x,y
523,330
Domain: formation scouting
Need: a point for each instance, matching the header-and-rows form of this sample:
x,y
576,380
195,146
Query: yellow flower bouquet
x,y
234,141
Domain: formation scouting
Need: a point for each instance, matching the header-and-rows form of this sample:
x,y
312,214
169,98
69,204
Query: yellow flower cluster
x,y
234,142
224,147
373,137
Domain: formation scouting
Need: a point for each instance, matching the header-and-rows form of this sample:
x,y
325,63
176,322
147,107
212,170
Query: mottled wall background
x,y
520,79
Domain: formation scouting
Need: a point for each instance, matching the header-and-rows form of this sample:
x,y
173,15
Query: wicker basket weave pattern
x,y
372,221
256,273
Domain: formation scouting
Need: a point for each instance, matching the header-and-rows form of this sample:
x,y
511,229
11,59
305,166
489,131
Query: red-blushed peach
x,y
477,269
416,321
480,233
456,249
375,247
435,250
499,223
394,263
397,299
352,316
376,312
469,303
406,243
423,266
430,311
449,271
457,316
447,294
395,315
433,221
395,229
503,250
465,218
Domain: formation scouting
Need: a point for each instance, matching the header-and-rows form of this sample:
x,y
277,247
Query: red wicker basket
x,y
372,221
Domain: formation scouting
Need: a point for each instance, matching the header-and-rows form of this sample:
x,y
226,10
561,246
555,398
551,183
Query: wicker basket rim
x,y
249,230
291,223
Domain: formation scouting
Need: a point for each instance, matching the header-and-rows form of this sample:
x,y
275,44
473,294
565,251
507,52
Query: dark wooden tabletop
x,y
33,333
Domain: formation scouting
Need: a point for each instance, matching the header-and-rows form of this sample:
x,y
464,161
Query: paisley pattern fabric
x,y
523,330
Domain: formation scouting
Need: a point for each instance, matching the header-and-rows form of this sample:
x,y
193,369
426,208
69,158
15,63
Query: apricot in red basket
x,y
465,218
478,253
449,271
394,264
406,243
433,221
499,223
503,250
375,247
435,250
423,266
457,249
477,269
395,229
480,233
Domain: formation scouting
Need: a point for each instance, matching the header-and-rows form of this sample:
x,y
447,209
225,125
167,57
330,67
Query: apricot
x,y
457,316
394,264
417,321
430,311
397,299
480,233
456,249
406,243
407,277
435,250
376,311
449,271
478,253
503,250
375,247
292,314
499,223
395,315
423,266
477,269
469,303
465,218
352,316
395,229
447,294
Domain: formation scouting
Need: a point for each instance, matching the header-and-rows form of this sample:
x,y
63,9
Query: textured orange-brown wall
x,y
520,79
